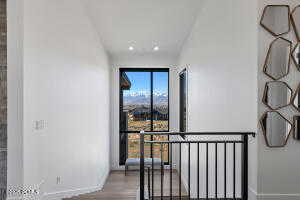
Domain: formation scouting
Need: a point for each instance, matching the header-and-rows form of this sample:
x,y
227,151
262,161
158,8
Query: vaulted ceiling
x,y
143,24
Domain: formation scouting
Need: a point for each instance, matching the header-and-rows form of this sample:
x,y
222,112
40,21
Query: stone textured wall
x,y
3,99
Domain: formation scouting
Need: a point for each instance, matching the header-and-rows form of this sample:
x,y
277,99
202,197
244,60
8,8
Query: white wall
x,y
66,84
15,93
221,53
278,169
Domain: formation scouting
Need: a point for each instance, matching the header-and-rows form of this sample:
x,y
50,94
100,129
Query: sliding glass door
x,y
144,105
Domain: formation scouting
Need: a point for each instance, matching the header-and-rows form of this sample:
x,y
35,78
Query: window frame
x,y
151,70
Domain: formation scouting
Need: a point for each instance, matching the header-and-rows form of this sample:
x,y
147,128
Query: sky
x,y
140,82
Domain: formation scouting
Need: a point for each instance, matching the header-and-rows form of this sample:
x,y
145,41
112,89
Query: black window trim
x,y
180,100
121,70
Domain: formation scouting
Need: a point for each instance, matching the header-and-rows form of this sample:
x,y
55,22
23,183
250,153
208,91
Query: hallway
x,y
90,87
118,186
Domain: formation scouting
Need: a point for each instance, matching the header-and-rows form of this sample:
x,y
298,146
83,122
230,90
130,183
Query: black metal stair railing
x,y
242,140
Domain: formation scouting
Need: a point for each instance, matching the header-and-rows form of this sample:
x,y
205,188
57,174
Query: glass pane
x,y
134,146
165,148
160,101
161,112
136,115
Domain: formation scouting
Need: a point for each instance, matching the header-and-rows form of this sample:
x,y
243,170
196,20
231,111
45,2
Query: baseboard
x,y
75,192
253,195
69,193
278,196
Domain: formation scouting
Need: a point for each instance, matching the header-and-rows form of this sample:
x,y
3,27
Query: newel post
x,y
245,167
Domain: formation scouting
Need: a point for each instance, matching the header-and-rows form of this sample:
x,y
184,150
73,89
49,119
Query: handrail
x,y
192,142
199,133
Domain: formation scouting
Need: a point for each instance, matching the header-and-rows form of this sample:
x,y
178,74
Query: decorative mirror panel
x,y
296,127
277,94
296,21
296,55
276,19
276,129
277,63
296,98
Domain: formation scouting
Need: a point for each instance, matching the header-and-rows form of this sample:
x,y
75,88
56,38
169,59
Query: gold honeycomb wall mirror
x,y
277,94
276,19
276,129
278,60
295,18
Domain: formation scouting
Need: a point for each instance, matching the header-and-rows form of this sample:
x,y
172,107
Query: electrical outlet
x,y
58,180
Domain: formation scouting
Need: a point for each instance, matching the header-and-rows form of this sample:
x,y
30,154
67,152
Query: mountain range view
x,y
142,98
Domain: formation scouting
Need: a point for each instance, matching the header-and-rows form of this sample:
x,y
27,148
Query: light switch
x,y
39,125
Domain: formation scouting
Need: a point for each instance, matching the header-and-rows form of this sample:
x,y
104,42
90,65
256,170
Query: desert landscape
x,y
133,139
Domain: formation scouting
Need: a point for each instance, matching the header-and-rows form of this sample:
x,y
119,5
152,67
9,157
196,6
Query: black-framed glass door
x,y
144,105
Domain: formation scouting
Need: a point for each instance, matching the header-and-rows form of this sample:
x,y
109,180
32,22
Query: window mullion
x,y
151,99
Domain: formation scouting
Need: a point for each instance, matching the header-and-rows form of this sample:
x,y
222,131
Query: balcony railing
x,y
208,149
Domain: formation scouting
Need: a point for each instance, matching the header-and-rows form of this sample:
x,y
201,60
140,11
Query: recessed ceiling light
x,y
156,48
131,48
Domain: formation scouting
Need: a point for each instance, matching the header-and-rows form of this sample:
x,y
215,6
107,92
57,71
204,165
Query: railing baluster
x,y
161,172
171,171
152,172
142,167
152,168
180,170
206,170
189,171
216,170
244,160
198,175
225,171
233,170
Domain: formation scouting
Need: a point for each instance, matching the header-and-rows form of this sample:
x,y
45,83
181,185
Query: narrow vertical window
x,y
144,105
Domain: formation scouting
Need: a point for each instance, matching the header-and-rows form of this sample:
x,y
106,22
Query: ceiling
x,y
143,24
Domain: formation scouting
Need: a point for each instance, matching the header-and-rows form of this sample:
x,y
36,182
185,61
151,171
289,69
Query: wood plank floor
x,y
118,186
